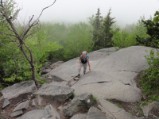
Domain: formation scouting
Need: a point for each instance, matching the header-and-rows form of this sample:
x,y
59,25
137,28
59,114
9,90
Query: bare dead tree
x,y
6,7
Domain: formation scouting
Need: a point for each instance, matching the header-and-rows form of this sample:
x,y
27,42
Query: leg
x,y
79,69
84,68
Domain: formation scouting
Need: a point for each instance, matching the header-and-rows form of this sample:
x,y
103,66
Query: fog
x,y
72,11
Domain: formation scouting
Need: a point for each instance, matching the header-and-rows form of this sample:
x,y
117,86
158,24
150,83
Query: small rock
x,y
80,103
5,103
33,102
21,106
51,112
95,113
79,116
16,113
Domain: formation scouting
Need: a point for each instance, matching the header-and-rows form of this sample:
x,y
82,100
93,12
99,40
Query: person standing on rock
x,y
83,62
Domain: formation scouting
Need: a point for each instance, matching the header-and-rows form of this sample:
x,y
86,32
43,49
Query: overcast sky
x,y
72,11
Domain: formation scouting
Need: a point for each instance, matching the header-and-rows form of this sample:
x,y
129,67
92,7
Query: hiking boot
x,y
78,76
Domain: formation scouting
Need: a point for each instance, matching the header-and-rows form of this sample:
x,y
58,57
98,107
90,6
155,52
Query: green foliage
x,y
149,79
13,64
152,26
70,40
50,42
77,40
123,38
128,36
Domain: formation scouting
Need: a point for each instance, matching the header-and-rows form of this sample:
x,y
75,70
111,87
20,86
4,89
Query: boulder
x,y
79,116
22,106
55,91
80,103
48,113
6,103
95,113
18,89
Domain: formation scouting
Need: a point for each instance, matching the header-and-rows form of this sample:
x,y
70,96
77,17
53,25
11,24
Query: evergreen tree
x,y
107,30
102,30
97,29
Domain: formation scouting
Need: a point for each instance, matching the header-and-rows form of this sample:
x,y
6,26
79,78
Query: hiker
x,y
83,61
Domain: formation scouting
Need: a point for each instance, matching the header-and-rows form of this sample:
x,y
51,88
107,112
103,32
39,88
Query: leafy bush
x,y
71,39
123,38
77,40
127,37
150,77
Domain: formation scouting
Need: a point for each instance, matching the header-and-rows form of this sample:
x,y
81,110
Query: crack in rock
x,y
97,82
128,71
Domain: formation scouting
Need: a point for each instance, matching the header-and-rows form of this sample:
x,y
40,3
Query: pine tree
x,y
102,30
107,30
97,29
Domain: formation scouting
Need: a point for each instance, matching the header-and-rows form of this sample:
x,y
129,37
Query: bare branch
x,y
31,19
30,25
1,3
45,9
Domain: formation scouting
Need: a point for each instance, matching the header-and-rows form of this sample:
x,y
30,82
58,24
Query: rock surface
x,y
112,75
48,113
112,78
80,103
18,89
55,91
79,116
69,69
95,113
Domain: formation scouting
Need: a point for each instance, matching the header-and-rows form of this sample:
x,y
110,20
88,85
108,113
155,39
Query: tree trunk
x,y
33,75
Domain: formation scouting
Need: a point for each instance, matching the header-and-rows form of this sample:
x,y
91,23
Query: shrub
x,y
150,77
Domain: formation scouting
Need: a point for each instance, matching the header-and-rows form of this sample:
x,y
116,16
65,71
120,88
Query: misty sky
x,y
72,11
